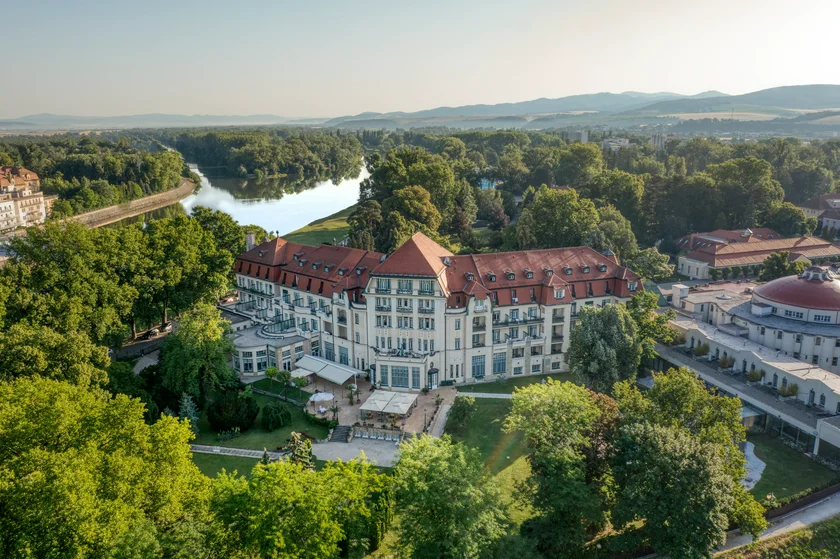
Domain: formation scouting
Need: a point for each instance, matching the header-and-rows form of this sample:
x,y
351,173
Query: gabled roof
x,y
820,202
418,257
742,254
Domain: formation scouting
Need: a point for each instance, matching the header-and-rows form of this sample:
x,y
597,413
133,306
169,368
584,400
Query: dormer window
x,y
568,271
341,271
302,261
585,269
529,274
297,255
632,285
469,276
511,275
559,293
327,267
261,253
548,271
491,276
603,267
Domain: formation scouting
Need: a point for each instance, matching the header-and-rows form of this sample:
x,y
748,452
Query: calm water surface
x,y
271,204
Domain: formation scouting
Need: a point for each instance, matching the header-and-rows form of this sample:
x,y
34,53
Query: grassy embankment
x,y
324,230
820,541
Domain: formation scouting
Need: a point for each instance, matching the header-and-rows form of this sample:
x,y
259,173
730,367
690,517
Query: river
x,y
271,204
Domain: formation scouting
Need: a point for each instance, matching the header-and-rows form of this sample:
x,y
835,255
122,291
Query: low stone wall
x,y
111,214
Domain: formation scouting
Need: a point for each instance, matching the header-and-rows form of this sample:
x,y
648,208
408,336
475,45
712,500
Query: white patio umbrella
x,y
321,397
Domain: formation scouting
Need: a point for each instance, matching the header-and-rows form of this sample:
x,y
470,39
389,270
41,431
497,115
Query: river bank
x,y
331,229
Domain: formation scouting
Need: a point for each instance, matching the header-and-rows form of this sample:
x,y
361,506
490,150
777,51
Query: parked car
x,y
150,334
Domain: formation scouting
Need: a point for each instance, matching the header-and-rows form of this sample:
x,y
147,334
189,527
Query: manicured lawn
x,y
323,230
504,453
507,386
787,472
820,541
211,464
292,392
256,437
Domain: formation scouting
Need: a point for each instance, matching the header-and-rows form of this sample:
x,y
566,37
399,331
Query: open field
x,y
323,230
737,115
508,385
820,541
211,464
788,472
256,437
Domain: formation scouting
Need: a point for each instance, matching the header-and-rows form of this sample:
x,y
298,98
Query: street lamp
x,y
424,420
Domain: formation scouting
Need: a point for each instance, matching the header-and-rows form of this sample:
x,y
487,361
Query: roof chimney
x,y
250,240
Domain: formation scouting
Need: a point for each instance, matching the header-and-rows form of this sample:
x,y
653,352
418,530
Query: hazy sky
x,y
311,58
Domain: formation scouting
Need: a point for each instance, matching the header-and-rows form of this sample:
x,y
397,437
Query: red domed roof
x,y
815,288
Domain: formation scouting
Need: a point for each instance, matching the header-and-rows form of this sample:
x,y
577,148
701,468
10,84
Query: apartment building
x,y
21,201
421,316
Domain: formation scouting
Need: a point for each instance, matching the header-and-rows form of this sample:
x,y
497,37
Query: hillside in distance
x,y
47,121
786,100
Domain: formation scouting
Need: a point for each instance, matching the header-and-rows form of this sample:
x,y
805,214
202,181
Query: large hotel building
x,y
421,316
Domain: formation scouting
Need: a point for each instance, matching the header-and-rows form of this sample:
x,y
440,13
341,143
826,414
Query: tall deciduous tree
x,y
778,265
651,326
604,347
448,504
677,487
789,220
194,357
226,232
114,486
559,218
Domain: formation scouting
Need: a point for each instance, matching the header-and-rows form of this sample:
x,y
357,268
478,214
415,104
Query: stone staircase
x,y
340,434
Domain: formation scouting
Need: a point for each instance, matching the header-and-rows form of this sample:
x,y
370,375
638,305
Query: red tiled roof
x,y
322,269
744,254
17,176
726,236
819,202
815,288
419,257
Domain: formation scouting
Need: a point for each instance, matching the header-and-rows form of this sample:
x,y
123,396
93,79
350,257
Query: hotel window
x,y
535,368
514,315
555,365
533,295
298,352
383,285
236,360
343,358
822,400
404,286
383,375
779,334
315,348
262,360
517,370
822,318
427,286
356,318
799,338
399,376
476,339
329,352
358,338
514,333
499,361
559,293
457,323
415,377
762,330
833,361
794,314
496,336
817,340
457,343
478,368
815,359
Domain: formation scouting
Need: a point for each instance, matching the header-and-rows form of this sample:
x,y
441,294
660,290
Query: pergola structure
x,y
384,404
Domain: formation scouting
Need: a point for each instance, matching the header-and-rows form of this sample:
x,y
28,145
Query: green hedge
x,y
322,421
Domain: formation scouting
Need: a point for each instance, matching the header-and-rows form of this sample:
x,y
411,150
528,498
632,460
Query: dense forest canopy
x,y
89,173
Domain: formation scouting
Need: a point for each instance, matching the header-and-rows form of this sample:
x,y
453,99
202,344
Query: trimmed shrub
x,y
231,410
462,410
701,350
274,415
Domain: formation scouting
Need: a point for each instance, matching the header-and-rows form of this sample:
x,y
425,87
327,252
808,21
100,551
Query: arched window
x,y
811,397
775,379
822,400
784,383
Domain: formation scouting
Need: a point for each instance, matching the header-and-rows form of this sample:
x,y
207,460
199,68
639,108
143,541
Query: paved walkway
x,y
440,421
146,361
229,451
500,396
381,453
817,512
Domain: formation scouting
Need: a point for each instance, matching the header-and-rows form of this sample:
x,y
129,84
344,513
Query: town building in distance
x,y
722,249
818,205
421,316
21,200
776,346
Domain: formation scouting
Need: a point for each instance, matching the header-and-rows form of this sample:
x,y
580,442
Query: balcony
x,y
383,308
426,310
557,337
556,349
528,319
256,291
479,327
383,291
406,291
480,308
342,320
558,318
404,309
